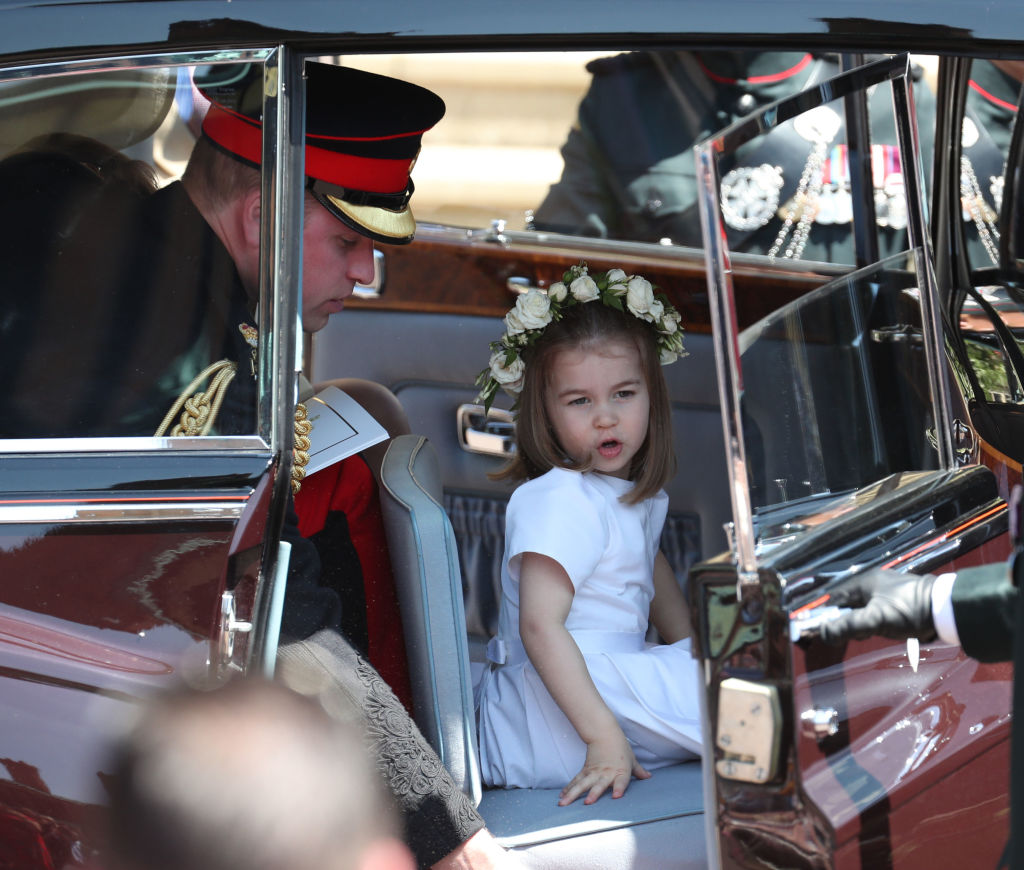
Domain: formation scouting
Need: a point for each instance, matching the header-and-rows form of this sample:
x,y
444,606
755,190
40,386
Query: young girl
x,y
575,697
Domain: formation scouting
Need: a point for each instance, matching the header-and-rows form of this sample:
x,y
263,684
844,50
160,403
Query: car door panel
x,y
113,588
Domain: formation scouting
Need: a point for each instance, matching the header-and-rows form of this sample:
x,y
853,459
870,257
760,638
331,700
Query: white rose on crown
x,y
617,282
584,289
513,325
533,309
670,322
509,375
639,296
557,292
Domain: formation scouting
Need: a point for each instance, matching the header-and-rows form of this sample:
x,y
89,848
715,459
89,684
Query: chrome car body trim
x,y
135,511
917,227
67,446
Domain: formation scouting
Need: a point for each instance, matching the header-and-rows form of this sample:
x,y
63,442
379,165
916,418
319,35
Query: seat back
x,y
428,583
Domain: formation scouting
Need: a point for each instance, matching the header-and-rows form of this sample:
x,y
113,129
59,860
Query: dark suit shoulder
x,y
984,605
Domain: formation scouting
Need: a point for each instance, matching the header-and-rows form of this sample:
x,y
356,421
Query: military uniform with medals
x,y
630,171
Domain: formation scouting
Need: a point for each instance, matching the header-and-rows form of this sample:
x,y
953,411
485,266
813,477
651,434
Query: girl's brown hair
x,y
590,327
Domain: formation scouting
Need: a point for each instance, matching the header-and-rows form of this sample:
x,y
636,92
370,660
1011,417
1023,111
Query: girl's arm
x,y
669,611
545,596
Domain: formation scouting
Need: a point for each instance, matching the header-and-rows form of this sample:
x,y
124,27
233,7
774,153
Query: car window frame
x,y
278,357
896,71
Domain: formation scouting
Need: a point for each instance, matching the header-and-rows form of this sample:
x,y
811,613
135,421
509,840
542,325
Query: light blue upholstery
x,y
428,582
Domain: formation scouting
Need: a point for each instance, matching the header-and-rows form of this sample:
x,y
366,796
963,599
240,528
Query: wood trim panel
x,y
469,275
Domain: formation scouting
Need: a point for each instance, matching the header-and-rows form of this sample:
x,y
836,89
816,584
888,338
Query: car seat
x,y
658,823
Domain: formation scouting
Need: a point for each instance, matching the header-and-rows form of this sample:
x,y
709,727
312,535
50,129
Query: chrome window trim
x,y
120,512
131,61
622,250
248,443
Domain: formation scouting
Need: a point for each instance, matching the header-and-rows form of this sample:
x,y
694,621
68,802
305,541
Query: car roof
x,y
60,27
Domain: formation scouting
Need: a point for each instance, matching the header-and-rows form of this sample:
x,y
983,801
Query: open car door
x,y
132,557
845,450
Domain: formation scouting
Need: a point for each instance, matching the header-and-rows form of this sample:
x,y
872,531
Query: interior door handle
x,y
489,432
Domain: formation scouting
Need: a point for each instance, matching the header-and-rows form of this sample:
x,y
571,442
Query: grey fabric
x,y
428,583
438,816
658,823
479,526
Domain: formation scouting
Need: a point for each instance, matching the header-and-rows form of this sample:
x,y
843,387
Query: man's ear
x,y
250,217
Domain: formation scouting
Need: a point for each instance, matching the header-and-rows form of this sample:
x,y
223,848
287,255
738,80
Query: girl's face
x,y
599,405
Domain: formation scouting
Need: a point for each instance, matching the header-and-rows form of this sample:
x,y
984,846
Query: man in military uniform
x,y
630,171
993,92
191,251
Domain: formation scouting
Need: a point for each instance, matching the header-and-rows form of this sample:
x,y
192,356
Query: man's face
x,y
334,259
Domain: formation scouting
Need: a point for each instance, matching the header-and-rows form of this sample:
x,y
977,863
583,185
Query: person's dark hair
x,y
217,178
106,163
589,327
249,776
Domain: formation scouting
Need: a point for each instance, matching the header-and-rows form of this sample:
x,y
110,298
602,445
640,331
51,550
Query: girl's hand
x,y
610,762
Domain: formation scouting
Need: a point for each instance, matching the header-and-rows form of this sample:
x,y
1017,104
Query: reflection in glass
x,y
835,391
993,92
109,313
992,366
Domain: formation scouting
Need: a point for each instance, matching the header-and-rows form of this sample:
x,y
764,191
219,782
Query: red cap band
x,y
243,136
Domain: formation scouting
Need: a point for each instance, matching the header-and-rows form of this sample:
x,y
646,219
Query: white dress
x,y
607,548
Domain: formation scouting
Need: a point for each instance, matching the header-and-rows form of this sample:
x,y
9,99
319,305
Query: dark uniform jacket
x,y
183,306
629,164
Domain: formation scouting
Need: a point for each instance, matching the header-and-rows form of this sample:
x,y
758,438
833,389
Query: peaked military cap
x,y
363,134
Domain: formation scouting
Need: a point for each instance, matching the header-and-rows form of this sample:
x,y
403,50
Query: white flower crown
x,y
535,309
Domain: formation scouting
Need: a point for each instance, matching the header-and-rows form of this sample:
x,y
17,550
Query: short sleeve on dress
x,y
555,516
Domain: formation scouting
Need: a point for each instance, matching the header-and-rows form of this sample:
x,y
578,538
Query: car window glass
x,y
496,152
993,91
833,388
600,145
121,314
629,170
990,312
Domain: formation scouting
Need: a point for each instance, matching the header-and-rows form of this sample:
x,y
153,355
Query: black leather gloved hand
x,y
886,603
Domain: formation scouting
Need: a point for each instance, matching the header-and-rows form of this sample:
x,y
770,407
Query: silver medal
x,y
750,195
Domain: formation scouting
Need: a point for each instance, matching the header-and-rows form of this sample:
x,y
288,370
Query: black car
x,y
837,222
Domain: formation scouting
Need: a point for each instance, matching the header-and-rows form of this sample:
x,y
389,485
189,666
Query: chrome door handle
x,y
491,433
230,625
519,285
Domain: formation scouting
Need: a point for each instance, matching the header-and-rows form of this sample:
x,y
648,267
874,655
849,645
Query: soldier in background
x,y
630,170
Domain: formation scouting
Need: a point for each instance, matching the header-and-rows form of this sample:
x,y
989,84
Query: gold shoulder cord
x,y
199,408
301,451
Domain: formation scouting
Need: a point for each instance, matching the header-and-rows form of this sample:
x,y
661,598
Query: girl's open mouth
x,y
610,449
